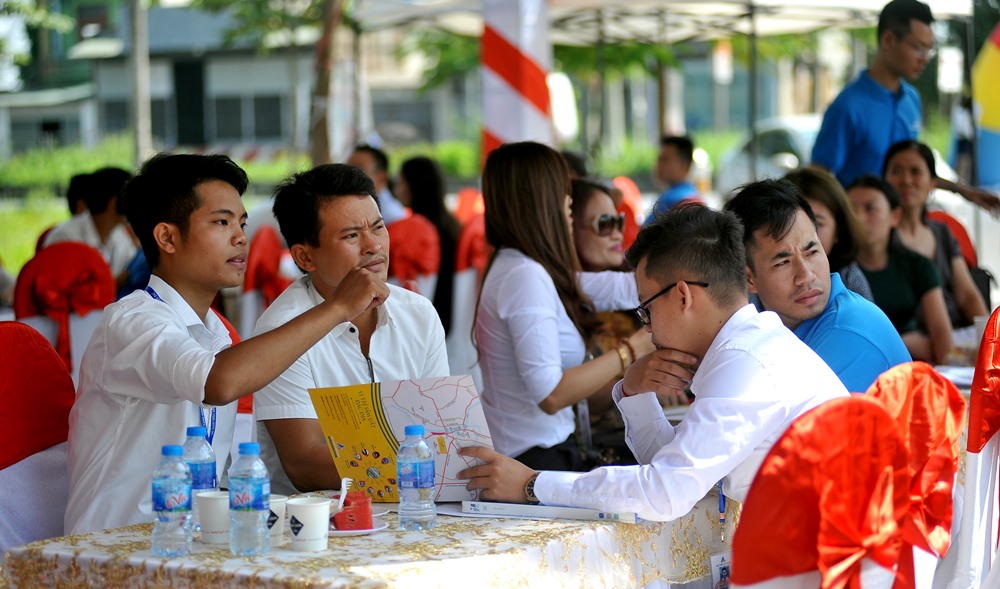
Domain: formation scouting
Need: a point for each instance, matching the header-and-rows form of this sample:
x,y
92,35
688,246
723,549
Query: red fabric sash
x,y
832,491
984,402
36,392
416,249
264,265
67,277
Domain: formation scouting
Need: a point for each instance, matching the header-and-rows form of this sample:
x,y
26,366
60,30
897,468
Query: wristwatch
x,y
529,490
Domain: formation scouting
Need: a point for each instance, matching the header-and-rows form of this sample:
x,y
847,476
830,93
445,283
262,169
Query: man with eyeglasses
x,y
788,270
880,107
753,379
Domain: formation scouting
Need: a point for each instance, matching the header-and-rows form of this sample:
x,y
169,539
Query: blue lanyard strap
x,y
201,412
722,513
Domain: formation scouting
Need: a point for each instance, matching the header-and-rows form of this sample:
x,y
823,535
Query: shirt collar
x,y
175,301
836,287
383,313
878,89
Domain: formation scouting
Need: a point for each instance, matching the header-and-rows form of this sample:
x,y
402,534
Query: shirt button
x,y
353,330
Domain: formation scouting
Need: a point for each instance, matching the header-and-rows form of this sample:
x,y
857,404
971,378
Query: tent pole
x,y
752,117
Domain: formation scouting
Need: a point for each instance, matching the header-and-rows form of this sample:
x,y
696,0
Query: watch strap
x,y
529,490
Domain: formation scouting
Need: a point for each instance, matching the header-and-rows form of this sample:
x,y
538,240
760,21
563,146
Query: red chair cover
x,y
470,204
414,249
984,401
961,235
930,413
473,251
64,278
36,392
245,404
832,491
631,204
264,265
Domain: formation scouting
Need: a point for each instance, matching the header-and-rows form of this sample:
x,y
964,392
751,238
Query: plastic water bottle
x,y
249,503
172,505
200,458
415,467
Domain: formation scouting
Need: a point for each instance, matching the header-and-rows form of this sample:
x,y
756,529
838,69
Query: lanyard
x,y
210,428
722,512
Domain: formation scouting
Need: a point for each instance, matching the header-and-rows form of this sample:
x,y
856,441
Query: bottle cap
x,y
172,450
414,430
197,431
248,448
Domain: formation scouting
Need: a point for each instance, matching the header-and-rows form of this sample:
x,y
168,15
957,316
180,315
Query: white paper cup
x,y
276,520
213,509
309,522
980,321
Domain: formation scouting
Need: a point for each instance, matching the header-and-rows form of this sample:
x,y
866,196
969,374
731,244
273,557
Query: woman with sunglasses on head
x,y
536,313
909,167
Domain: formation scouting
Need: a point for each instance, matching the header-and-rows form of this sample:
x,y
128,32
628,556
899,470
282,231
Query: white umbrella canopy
x,y
579,22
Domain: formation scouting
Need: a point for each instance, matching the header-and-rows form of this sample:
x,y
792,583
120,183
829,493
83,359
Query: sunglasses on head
x,y
604,225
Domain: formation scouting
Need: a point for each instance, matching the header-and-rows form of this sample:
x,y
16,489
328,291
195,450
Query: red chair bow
x,y
36,392
415,249
831,492
67,277
984,402
264,265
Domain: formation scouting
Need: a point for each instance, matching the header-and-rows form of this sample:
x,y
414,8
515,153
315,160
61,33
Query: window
x,y
267,117
228,119
115,116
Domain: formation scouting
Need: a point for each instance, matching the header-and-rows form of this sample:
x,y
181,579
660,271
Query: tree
x,y
34,15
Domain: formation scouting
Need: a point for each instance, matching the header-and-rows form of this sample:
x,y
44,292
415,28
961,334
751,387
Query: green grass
x,y
23,221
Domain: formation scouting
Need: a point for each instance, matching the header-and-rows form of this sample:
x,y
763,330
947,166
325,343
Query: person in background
x,y
160,360
753,379
535,315
420,187
576,163
374,162
787,267
329,217
76,194
103,225
673,166
902,280
909,167
838,227
7,282
880,107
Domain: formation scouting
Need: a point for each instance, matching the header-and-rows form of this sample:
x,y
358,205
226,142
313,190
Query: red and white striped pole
x,y
516,57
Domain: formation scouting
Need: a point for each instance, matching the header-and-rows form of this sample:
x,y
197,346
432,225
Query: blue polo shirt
x,y
854,338
861,124
671,197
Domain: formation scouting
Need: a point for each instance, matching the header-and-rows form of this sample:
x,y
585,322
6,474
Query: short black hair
x,y
896,17
164,192
381,159
683,144
696,243
880,184
576,162
103,186
298,198
76,191
768,205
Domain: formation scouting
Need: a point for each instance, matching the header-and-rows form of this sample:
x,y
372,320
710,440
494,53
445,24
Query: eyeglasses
x,y
642,311
604,225
922,51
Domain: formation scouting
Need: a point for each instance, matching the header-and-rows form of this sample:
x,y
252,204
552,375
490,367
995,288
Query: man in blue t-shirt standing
x,y
880,107
788,269
672,168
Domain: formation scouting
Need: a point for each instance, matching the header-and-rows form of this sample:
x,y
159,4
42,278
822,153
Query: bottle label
x,y
249,495
416,475
170,495
203,475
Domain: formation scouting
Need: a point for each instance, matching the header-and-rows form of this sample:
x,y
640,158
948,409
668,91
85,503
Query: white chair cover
x,y
34,491
462,356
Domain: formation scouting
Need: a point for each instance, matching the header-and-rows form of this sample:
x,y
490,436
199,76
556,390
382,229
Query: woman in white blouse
x,y
535,316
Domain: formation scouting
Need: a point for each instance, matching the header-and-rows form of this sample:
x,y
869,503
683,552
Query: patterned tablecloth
x,y
460,552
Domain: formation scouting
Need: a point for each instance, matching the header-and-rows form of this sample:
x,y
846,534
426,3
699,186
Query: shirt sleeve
x,y
925,275
529,306
857,369
646,428
437,351
832,143
287,396
610,290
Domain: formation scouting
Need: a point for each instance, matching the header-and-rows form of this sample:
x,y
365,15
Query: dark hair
x,y
683,144
164,192
910,145
581,193
104,186
381,159
524,187
896,17
694,242
298,198
770,206
576,162
822,186
880,184
79,186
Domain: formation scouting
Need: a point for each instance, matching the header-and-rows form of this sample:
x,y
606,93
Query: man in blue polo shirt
x,y
880,107
673,166
788,269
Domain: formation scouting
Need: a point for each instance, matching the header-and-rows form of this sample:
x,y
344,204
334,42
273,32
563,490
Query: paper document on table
x,y
489,508
960,376
363,425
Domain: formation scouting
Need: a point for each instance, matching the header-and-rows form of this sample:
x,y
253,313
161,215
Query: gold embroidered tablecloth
x,y
460,552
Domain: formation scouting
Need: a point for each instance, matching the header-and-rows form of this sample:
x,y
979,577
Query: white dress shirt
x,y
756,378
118,250
526,341
142,384
408,343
